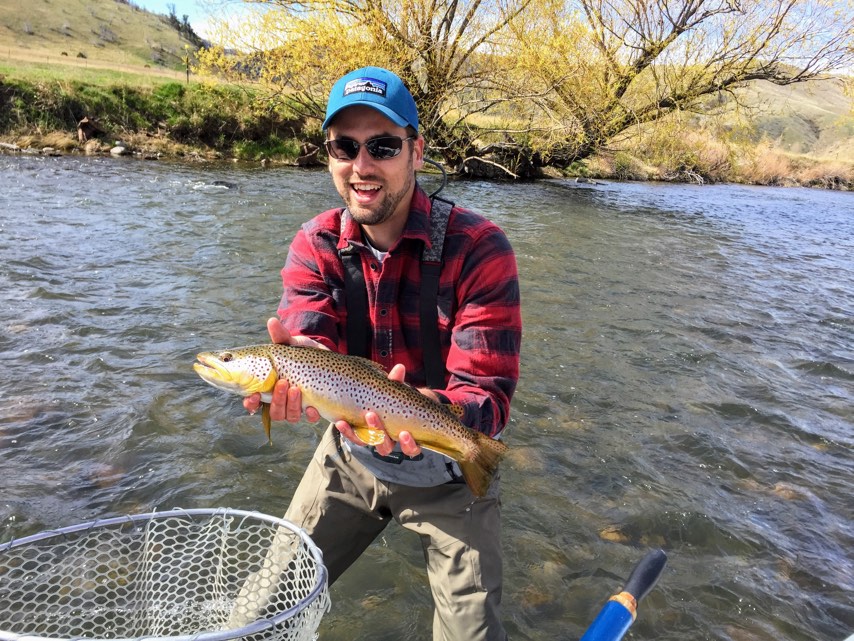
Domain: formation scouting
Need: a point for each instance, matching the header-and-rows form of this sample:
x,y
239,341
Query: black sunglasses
x,y
380,148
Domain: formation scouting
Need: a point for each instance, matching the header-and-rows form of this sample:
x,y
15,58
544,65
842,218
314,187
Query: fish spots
x,y
342,387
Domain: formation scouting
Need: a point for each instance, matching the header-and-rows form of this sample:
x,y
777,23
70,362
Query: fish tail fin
x,y
480,468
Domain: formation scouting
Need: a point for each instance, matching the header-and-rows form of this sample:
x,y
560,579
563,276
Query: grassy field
x,y
76,70
814,119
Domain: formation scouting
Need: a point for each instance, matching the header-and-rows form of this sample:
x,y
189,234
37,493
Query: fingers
x,y
375,423
293,411
252,403
279,402
348,433
398,372
286,404
408,445
305,341
278,332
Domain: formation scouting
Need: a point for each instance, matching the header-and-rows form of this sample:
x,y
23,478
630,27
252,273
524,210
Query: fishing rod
x,y
618,614
444,176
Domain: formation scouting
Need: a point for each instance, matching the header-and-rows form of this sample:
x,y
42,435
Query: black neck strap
x,y
356,295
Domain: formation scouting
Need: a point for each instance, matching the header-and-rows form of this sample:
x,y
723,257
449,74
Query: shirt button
x,y
383,353
374,266
383,312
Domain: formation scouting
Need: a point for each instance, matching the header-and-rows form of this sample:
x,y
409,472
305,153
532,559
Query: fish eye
x,y
226,357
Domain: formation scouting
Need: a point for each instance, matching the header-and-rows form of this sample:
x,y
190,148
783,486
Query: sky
x,y
197,12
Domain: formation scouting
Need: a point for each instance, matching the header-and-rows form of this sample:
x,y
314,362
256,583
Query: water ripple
x,y
686,383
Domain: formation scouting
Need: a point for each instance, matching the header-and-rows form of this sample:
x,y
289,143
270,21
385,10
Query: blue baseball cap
x,y
377,88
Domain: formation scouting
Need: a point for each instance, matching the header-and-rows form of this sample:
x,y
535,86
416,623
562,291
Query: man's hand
x,y
287,399
407,444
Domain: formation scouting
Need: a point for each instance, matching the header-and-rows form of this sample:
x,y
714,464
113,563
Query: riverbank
x,y
768,168
197,123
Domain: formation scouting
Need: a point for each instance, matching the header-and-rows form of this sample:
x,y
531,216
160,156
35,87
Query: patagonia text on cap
x,y
377,88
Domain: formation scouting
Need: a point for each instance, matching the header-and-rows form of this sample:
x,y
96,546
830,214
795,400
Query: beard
x,y
386,207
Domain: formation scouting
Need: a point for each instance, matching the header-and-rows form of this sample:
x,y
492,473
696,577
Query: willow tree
x,y
440,48
593,69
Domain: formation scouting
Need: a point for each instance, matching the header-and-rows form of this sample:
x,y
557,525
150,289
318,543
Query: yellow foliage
x,y
766,166
440,48
561,78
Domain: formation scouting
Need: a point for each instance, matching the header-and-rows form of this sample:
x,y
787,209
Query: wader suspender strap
x,y
431,266
356,296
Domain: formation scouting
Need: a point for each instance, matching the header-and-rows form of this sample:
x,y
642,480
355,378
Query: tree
x,y
558,78
601,67
438,47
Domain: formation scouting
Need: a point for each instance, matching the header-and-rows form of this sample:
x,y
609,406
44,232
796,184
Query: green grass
x,y
270,147
43,72
222,118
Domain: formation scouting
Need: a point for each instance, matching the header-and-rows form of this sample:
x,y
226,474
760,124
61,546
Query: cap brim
x,y
388,113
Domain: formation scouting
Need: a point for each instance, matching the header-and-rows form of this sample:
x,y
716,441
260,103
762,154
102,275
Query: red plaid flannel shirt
x,y
480,322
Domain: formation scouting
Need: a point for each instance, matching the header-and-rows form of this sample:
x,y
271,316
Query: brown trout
x,y
342,387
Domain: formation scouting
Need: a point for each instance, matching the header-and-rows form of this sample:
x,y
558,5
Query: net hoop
x,y
318,590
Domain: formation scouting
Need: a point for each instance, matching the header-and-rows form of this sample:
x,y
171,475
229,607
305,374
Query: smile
x,y
365,187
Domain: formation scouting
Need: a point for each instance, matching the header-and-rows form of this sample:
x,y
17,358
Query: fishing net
x,y
205,575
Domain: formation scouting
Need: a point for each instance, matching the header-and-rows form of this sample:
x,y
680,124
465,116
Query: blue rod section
x,y
619,612
611,624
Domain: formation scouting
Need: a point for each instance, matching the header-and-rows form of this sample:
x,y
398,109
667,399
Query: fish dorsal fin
x,y
457,410
368,361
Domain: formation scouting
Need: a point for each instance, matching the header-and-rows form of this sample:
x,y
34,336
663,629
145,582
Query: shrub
x,y
627,167
766,166
828,175
682,153
271,147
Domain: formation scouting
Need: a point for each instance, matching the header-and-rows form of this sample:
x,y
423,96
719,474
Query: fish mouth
x,y
206,360
208,365
211,369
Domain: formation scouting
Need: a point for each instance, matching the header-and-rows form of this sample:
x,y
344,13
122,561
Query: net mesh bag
x,y
184,574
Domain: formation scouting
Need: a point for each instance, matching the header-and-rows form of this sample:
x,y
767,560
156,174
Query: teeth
x,y
364,187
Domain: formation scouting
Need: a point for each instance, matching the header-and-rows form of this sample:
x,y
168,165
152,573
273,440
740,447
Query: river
x,y
687,383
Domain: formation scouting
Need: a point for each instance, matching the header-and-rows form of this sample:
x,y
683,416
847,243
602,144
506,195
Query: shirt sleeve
x,y
308,306
483,361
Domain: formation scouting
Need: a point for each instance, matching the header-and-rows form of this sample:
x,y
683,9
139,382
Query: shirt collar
x,y
417,224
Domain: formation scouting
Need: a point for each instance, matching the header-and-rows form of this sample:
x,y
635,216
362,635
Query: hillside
x,y
99,33
814,119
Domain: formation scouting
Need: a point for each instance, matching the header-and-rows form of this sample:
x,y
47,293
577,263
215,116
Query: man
x,y
350,491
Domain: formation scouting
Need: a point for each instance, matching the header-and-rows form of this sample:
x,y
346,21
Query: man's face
x,y
374,190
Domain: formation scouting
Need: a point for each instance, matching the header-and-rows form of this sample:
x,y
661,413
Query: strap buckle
x,y
395,458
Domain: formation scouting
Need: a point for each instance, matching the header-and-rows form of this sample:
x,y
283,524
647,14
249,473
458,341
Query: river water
x,y
687,383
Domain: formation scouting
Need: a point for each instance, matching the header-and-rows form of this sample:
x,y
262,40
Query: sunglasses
x,y
380,148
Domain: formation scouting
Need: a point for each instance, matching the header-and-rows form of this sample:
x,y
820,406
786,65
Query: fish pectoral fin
x,y
266,421
369,436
